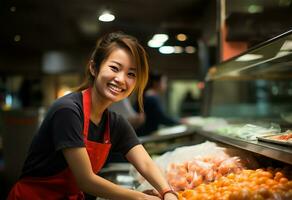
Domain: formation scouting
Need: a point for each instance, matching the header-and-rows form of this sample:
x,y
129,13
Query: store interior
x,y
224,95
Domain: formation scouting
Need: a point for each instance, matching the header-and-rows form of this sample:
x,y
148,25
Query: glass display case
x,y
254,87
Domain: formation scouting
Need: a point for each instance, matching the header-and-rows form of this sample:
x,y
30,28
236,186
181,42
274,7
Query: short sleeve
x,y
126,136
67,126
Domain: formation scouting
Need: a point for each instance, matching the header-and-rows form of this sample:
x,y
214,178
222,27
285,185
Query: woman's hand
x,y
148,197
170,196
151,192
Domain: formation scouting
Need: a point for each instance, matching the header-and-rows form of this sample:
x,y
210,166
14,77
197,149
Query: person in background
x,y
190,106
78,131
125,109
155,114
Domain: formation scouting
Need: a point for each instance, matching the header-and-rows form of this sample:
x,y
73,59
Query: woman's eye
x,y
114,68
132,74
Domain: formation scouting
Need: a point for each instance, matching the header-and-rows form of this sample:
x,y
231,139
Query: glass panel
x,y
270,60
267,100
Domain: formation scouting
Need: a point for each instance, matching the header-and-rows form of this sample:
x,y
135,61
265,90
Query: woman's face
x,y
117,76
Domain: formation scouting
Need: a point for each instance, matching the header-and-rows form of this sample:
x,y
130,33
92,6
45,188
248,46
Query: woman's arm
x,y
79,163
149,170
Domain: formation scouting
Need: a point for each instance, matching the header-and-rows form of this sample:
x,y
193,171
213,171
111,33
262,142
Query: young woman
x,y
78,131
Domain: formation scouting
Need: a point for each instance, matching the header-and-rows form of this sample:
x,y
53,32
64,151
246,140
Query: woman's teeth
x,y
115,88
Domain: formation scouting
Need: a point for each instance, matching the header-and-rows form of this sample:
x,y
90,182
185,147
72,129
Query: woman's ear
x,y
92,68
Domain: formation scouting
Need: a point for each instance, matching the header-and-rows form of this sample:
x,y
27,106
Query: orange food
x,y
189,175
248,184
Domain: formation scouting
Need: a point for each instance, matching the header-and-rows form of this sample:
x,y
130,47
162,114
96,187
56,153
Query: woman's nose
x,y
120,77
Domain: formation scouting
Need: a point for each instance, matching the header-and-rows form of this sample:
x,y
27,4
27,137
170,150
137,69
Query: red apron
x,y
63,185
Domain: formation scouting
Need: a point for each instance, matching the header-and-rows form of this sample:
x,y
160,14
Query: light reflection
x,y
106,17
166,49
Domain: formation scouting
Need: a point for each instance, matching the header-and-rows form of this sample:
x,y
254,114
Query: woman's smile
x,y
115,88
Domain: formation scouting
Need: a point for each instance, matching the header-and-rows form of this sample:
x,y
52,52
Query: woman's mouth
x,y
114,88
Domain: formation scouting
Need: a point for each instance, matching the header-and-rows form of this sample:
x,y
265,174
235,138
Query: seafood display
x,y
257,184
192,173
208,171
283,138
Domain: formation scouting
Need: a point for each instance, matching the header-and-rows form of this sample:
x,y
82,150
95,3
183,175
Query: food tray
x,y
269,139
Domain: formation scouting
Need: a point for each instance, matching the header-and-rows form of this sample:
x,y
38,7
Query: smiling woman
x,y
73,141
116,76
113,50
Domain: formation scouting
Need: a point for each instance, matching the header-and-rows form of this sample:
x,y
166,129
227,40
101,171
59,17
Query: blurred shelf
x,y
274,151
167,134
167,148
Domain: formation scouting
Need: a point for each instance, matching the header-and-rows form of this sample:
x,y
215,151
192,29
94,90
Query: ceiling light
x,y
190,49
12,8
17,38
106,17
249,57
154,43
181,37
178,49
160,37
166,49
157,40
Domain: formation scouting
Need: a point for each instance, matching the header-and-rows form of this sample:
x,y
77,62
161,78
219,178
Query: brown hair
x,y
105,46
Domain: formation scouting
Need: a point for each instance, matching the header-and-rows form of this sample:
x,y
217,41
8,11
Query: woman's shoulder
x,y
119,124
114,116
71,101
117,119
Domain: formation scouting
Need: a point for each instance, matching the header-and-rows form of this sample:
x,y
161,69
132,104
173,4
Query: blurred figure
x,y
190,106
153,107
125,109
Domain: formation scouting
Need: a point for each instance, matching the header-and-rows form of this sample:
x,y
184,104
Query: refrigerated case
x,y
254,87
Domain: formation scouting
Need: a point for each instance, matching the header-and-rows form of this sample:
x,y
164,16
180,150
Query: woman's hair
x,y
105,46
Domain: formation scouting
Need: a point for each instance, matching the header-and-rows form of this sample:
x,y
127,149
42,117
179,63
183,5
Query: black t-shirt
x,y
62,128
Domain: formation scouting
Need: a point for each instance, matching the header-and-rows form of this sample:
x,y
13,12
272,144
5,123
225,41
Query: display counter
x,y
274,151
277,152
168,133
253,87
169,138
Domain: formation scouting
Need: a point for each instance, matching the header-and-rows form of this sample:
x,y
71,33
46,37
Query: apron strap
x,y
106,138
86,96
